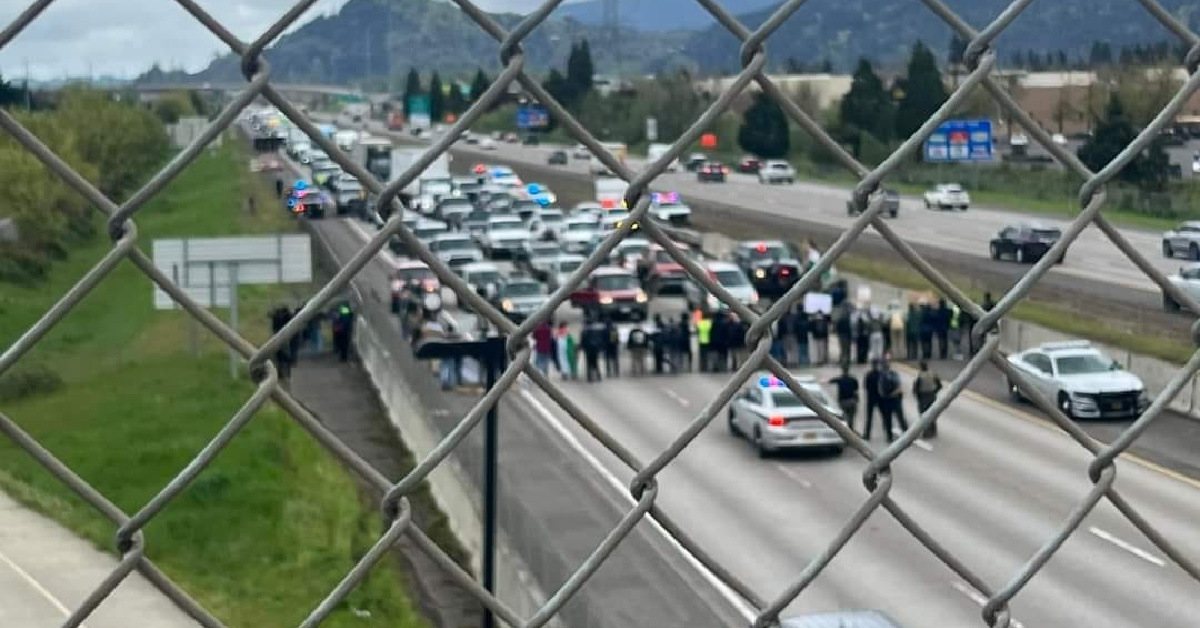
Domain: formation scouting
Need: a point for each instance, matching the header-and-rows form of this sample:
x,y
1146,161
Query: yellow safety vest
x,y
703,330
954,312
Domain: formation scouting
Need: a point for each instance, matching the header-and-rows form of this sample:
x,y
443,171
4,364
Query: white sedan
x,y
776,171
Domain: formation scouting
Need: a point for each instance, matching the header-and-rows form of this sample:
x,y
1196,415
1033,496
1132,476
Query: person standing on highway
x,y
896,327
737,340
343,330
862,334
783,330
942,328
988,304
798,339
637,343
891,400
967,322
844,328
912,331
719,343
819,329
612,348
955,332
925,388
658,344
283,358
927,327
278,188
543,346
876,340
564,346
593,340
871,385
704,341
847,395
682,359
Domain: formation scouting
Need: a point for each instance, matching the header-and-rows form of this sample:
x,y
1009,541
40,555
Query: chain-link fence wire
x,y
980,60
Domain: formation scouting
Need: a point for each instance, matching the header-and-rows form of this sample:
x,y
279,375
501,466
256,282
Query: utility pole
x,y
28,89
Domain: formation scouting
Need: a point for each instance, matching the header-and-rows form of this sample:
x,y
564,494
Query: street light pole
x,y
490,352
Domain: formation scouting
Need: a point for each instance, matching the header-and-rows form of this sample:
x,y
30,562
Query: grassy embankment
x,y
114,391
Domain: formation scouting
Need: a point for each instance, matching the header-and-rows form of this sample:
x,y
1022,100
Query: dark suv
x,y
1024,243
891,204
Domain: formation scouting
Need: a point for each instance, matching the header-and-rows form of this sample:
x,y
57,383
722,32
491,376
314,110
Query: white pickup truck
x,y
947,196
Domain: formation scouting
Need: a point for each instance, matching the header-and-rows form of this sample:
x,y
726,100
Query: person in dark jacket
x,y
844,328
925,331
912,331
799,339
779,340
942,328
966,323
343,329
612,349
847,395
819,331
593,341
862,336
871,386
682,360
719,344
658,343
988,304
891,400
283,359
737,340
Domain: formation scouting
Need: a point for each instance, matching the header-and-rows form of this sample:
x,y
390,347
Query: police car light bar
x,y
665,197
1067,344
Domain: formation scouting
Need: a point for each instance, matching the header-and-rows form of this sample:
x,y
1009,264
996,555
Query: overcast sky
x,y
123,37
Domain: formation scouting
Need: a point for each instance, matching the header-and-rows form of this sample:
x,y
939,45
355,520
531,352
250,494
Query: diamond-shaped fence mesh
x,y
979,58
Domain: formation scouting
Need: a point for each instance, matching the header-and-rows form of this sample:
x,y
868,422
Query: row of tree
x,y
114,144
444,101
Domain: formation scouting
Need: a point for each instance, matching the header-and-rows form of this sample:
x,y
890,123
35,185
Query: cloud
x,y
79,38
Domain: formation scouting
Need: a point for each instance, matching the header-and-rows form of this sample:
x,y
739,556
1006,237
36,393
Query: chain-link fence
x,y
980,61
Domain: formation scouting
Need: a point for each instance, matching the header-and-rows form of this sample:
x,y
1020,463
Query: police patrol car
x,y
773,418
1084,383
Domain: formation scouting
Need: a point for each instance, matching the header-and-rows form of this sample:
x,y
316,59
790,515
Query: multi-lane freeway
x,y
992,488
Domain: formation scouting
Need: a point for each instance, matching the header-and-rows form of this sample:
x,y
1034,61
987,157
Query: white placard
x,y
818,303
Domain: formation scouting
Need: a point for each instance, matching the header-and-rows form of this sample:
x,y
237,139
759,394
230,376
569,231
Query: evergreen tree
x,y
826,66
437,99
924,91
1113,133
867,106
412,87
479,85
958,48
558,86
764,130
456,103
579,71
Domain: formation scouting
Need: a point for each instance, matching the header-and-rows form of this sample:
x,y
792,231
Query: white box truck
x,y
655,151
610,191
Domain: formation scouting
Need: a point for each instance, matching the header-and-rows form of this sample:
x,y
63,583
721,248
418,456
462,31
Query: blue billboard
x,y
532,117
960,140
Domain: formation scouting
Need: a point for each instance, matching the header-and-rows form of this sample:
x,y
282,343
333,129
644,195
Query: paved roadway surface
x,y
1096,277
992,489
46,572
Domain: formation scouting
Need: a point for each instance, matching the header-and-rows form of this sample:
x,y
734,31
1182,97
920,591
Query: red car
x,y
615,292
749,165
712,172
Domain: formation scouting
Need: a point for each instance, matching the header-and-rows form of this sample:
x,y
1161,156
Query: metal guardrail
x,y
878,481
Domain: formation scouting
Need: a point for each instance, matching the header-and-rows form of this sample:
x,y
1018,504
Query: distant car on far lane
x,y
947,196
773,418
776,171
1024,242
1183,239
891,204
694,161
488,144
1085,383
712,171
749,164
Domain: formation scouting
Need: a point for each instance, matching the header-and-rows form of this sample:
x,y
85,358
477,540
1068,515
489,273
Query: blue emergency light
x,y
770,382
533,188
301,184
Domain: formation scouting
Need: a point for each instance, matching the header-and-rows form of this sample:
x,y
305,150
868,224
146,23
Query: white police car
x,y
1084,383
773,418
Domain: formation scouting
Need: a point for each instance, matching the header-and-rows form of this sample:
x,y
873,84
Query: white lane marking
x,y
978,598
677,397
37,586
920,442
793,474
1128,547
730,595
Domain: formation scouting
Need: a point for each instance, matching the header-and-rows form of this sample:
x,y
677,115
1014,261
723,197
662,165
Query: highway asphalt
x,y
992,488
